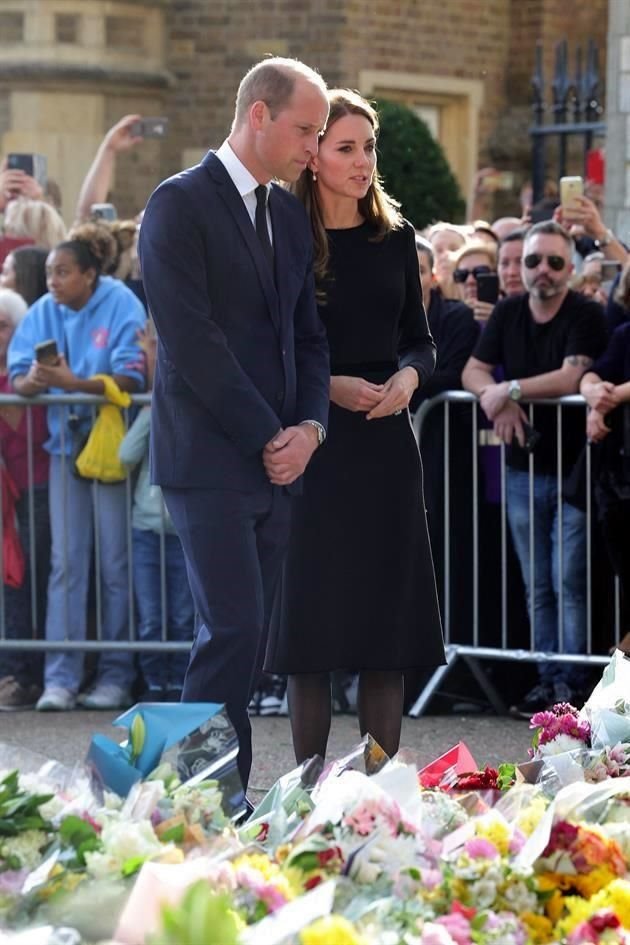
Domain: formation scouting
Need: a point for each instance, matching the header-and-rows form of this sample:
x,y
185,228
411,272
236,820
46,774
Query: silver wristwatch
x,y
514,390
321,430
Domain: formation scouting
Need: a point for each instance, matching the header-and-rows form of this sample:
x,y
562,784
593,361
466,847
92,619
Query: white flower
x,y
483,893
519,898
26,846
559,745
123,841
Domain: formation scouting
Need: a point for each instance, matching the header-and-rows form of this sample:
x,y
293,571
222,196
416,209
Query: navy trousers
x,y
234,545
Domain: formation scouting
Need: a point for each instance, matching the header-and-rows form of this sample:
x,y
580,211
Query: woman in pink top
x,y
24,613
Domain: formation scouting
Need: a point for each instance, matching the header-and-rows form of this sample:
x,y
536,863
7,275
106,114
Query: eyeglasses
x,y
460,275
557,263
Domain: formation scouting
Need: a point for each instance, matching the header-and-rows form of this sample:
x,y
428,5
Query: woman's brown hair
x,y
377,207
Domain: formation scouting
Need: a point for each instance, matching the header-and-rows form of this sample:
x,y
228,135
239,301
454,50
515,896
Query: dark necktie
x,y
261,223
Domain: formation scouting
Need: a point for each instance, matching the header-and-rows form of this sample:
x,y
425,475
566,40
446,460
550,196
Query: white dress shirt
x,y
244,182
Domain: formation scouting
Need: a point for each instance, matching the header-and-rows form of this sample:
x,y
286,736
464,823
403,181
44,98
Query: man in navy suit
x,y
240,400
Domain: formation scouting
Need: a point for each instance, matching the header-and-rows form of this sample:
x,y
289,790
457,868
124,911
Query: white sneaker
x,y
105,696
56,699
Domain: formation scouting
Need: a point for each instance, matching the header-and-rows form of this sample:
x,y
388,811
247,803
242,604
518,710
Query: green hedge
x,y
414,168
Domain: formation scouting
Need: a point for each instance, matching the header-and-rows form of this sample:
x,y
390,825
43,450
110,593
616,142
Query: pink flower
x,y
458,927
517,841
480,848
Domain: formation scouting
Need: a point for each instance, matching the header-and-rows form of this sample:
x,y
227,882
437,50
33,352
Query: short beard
x,y
545,292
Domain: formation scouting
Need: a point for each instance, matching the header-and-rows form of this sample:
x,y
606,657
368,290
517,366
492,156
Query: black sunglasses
x,y
460,275
557,263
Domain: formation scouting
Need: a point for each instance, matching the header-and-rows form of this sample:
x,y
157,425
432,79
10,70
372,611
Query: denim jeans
x,y
162,671
543,598
76,505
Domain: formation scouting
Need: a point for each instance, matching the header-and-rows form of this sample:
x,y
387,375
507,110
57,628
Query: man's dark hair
x,y
549,228
516,236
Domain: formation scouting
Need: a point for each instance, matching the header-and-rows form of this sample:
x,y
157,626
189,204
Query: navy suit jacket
x,y
238,356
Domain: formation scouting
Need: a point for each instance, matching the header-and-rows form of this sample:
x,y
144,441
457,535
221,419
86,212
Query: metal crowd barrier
x,y
38,642
473,653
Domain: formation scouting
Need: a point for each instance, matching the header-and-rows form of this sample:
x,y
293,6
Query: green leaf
x,y
507,776
202,918
174,834
132,865
74,831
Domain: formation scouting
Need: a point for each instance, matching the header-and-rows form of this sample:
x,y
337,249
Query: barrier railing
x,y
37,641
474,652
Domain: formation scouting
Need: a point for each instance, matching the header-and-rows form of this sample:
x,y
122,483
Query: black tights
x,y
380,708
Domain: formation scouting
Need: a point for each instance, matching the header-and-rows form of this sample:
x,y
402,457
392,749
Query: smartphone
x,y
46,352
149,128
610,269
103,211
570,188
35,165
502,180
488,287
532,437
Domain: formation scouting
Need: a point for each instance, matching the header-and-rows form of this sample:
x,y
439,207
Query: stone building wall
x,y
78,65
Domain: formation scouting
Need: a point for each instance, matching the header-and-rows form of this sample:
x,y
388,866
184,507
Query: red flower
x,y
461,909
604,920
478,780
263,832
312,882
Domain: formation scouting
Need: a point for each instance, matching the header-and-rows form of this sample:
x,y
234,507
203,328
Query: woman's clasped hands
x,y
375,400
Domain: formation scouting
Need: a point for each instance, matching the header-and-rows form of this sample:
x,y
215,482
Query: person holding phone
x,y
473,262
545,340
87,324
358,589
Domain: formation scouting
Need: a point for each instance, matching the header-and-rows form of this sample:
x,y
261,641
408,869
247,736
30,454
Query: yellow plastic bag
x,y
99,457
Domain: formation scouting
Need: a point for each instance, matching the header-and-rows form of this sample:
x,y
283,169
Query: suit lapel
x,y
281,247
235,205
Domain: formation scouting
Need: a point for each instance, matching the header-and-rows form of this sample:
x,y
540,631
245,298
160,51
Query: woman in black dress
x,y
358,589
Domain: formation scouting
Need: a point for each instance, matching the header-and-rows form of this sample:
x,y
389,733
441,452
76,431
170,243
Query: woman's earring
x,y
314,173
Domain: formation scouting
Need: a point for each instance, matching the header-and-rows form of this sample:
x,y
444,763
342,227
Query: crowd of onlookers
x,y
485,284
80,291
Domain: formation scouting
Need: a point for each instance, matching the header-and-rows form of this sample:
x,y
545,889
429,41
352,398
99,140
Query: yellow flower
x,y
494,828
587,884
579,910
259,862
529,818
331,930
539,928
615,896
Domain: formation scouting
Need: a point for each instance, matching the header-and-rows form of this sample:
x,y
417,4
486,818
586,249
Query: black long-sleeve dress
x,y
358,588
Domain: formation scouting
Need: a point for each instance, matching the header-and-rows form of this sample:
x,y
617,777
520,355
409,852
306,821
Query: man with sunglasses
x,y
545,340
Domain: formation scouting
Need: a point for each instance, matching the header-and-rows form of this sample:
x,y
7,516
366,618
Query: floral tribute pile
x,y
361,853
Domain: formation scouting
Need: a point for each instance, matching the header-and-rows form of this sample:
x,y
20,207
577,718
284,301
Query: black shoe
x,y
247,813
537,700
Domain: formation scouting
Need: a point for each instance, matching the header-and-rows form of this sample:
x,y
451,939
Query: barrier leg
x,y
421,703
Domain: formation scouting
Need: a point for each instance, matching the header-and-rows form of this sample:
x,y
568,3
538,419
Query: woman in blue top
x,y
94,320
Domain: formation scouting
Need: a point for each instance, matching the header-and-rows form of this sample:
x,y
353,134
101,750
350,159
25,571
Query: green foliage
x,y
202,918
19,810
414,168
77,837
